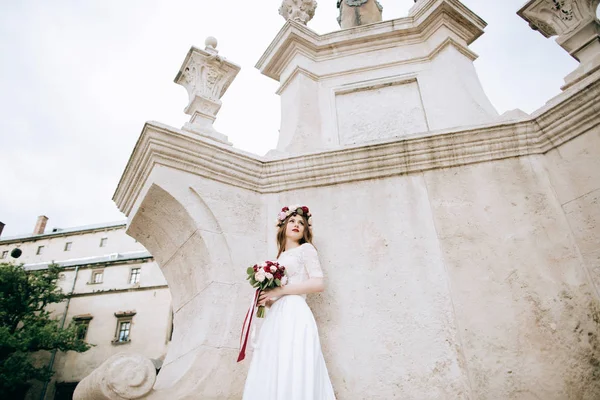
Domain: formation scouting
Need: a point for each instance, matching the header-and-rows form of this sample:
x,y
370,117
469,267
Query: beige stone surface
x,y
519,287
574,171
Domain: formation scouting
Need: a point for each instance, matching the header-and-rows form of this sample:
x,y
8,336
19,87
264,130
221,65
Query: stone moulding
x,y
428,57
570,115
294,38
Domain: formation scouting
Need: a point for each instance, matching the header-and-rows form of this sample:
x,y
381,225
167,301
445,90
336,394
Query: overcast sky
x,y
78,79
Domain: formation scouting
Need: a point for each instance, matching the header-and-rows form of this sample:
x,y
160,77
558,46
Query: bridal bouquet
x,y
267,275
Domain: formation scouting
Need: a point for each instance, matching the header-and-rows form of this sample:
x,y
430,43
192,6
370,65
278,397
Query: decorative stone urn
x,y
206,76
358,12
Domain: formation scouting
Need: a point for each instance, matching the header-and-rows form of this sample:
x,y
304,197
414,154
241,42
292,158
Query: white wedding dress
x,y
287,363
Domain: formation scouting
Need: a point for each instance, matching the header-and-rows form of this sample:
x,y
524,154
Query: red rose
x,y
255,268
284,209
305,210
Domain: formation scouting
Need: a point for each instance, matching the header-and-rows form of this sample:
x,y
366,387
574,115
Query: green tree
x,y
26,326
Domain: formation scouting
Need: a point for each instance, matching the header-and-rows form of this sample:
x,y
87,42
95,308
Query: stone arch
x,y
183,235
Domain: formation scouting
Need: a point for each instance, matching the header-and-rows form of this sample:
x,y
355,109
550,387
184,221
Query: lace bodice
x,y
301,263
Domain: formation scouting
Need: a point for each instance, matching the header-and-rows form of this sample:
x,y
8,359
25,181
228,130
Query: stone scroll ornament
x,y
358,12
298,10
122,376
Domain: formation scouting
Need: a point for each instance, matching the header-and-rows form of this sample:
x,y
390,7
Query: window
x,y
124,323
103,242
68,246
97,276
40,250
135,276
124,328
4,254
82,322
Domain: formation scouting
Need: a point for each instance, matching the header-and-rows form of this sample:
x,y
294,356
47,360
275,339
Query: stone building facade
x,y
119,294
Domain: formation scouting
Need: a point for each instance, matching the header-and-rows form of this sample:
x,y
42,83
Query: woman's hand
x,y
267,296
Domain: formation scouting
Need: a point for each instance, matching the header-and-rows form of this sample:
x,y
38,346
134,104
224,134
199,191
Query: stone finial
x,y
206,77
298,10
358,12
577,28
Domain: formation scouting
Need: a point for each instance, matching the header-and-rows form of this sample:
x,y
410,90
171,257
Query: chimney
x,y
40,225
1,227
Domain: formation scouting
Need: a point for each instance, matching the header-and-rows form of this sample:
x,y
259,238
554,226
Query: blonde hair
x,y
306,237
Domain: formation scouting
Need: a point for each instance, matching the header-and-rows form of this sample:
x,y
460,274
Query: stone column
x,y
577,28
358,12
206,76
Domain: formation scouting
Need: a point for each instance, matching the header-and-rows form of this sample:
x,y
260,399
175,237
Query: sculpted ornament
x,y
298,10
559,17
206,76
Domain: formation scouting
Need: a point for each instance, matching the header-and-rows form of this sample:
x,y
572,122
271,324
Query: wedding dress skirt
x,y
287,363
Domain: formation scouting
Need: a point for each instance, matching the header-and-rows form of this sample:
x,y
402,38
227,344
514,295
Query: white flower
x,y
284,280
268,275
273,269
260,275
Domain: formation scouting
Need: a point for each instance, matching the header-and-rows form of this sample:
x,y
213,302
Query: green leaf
x,y
250,270
277,282
27,327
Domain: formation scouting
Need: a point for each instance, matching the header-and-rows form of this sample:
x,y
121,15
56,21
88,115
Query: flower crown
x,y
295,209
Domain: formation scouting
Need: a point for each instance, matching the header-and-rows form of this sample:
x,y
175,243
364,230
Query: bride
x,y
288,363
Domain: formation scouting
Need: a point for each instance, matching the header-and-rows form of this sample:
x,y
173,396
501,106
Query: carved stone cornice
x,y
563,119
294,38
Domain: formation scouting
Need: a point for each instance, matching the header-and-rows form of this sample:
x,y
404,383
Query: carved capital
x,y
298,10
558,17
577,28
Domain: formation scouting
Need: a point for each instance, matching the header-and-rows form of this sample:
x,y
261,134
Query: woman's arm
x,y
312,285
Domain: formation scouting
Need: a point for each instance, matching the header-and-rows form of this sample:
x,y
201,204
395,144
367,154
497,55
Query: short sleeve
x,y
311,261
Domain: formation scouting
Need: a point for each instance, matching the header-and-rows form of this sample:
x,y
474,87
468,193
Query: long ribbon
x,y
246,327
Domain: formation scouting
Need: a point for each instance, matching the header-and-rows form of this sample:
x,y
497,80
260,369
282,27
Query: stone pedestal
x,y
388,80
